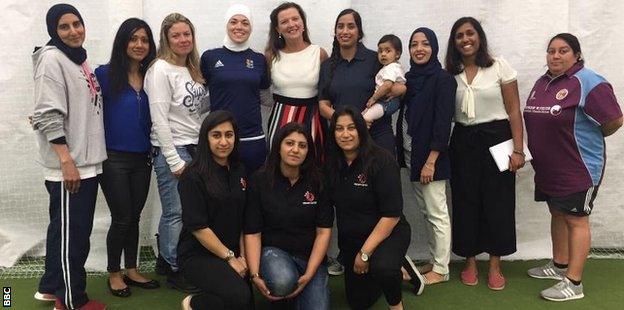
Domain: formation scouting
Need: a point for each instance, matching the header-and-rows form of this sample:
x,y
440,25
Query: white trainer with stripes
x,y
563,291
548,271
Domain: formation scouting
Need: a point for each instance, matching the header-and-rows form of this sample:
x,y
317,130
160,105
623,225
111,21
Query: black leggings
x,y
384,274
222,287
125,182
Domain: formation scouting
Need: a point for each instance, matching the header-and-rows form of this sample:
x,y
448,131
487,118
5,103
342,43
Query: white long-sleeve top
x,y
175,102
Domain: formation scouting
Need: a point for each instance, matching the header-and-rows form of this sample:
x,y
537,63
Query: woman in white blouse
x,y
174,86
487,112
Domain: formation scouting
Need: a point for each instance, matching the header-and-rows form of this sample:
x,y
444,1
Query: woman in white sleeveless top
x,y
294,65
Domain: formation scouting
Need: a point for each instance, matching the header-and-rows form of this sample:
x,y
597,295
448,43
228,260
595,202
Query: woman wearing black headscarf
x,y
425,120
71,149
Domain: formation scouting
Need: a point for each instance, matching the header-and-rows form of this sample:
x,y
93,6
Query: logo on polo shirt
x,y
361,180
309,197
249,63
562,94
219,64
532,97
243,184
555,110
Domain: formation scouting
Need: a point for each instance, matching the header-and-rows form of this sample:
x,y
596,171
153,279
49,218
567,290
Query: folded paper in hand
x,y
502,151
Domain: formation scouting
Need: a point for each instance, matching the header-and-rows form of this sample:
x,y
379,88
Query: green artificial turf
x,y
603,281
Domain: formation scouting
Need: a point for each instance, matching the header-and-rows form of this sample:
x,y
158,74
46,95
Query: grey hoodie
x,y
65,106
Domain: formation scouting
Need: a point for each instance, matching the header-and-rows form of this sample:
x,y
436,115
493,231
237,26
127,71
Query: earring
x,y
280,36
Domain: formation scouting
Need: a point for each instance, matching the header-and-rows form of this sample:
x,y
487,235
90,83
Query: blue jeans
x,y
390,107
315,296
170,224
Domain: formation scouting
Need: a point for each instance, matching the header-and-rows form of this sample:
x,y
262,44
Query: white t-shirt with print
x,y
175,102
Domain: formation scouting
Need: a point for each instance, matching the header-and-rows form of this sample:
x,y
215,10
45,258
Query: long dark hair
x,y
335,56
120,62
275,42
367,149
203,163
308,168
453,59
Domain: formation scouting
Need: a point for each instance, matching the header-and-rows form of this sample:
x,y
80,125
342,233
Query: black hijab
x,y
417,74
77,54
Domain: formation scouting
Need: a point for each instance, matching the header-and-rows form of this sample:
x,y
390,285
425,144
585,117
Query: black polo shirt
x,y
362,199
287,215
201,209
353,83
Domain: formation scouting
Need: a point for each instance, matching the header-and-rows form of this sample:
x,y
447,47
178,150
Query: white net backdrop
x,y
516,30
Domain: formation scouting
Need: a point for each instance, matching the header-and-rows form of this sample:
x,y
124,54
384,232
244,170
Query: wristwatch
x,y
230,254
364,256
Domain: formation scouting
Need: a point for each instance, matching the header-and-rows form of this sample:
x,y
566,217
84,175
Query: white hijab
x,y
236,9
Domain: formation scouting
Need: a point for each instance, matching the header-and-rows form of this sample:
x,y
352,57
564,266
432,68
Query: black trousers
x,y
384,275
125,183
67,243
222,288
484,199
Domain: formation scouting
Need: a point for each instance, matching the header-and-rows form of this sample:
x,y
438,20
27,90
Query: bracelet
x,y
254,275
430,164
519,153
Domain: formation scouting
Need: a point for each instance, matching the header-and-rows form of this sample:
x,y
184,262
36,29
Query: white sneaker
x,y
548,271
563,291
44,297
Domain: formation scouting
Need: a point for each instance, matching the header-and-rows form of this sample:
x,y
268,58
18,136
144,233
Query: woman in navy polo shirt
x,y
213,193
569,112
348,76
364,184
234,75
288,223
127,171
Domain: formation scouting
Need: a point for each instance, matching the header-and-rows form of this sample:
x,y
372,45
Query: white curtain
x,y
516,30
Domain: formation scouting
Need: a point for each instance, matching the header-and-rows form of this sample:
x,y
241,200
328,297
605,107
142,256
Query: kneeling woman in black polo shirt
x,y
212,192
373,235
288,224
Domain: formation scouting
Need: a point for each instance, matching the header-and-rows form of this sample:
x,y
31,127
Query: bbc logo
x,y
6,297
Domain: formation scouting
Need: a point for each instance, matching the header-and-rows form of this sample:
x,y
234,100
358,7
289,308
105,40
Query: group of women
x,y
230,217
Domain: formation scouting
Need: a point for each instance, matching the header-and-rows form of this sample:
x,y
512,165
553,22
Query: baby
x,y
388,53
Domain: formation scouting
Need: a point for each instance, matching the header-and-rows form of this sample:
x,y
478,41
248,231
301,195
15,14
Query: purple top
x,y
563,116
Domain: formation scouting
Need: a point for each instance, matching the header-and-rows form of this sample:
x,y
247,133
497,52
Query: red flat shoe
x,y
469,277
496,281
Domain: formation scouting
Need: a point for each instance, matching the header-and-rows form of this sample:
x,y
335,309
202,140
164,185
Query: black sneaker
x,y
176,280
416,278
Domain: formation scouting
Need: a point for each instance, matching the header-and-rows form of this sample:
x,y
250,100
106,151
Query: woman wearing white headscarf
x,y
234,75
